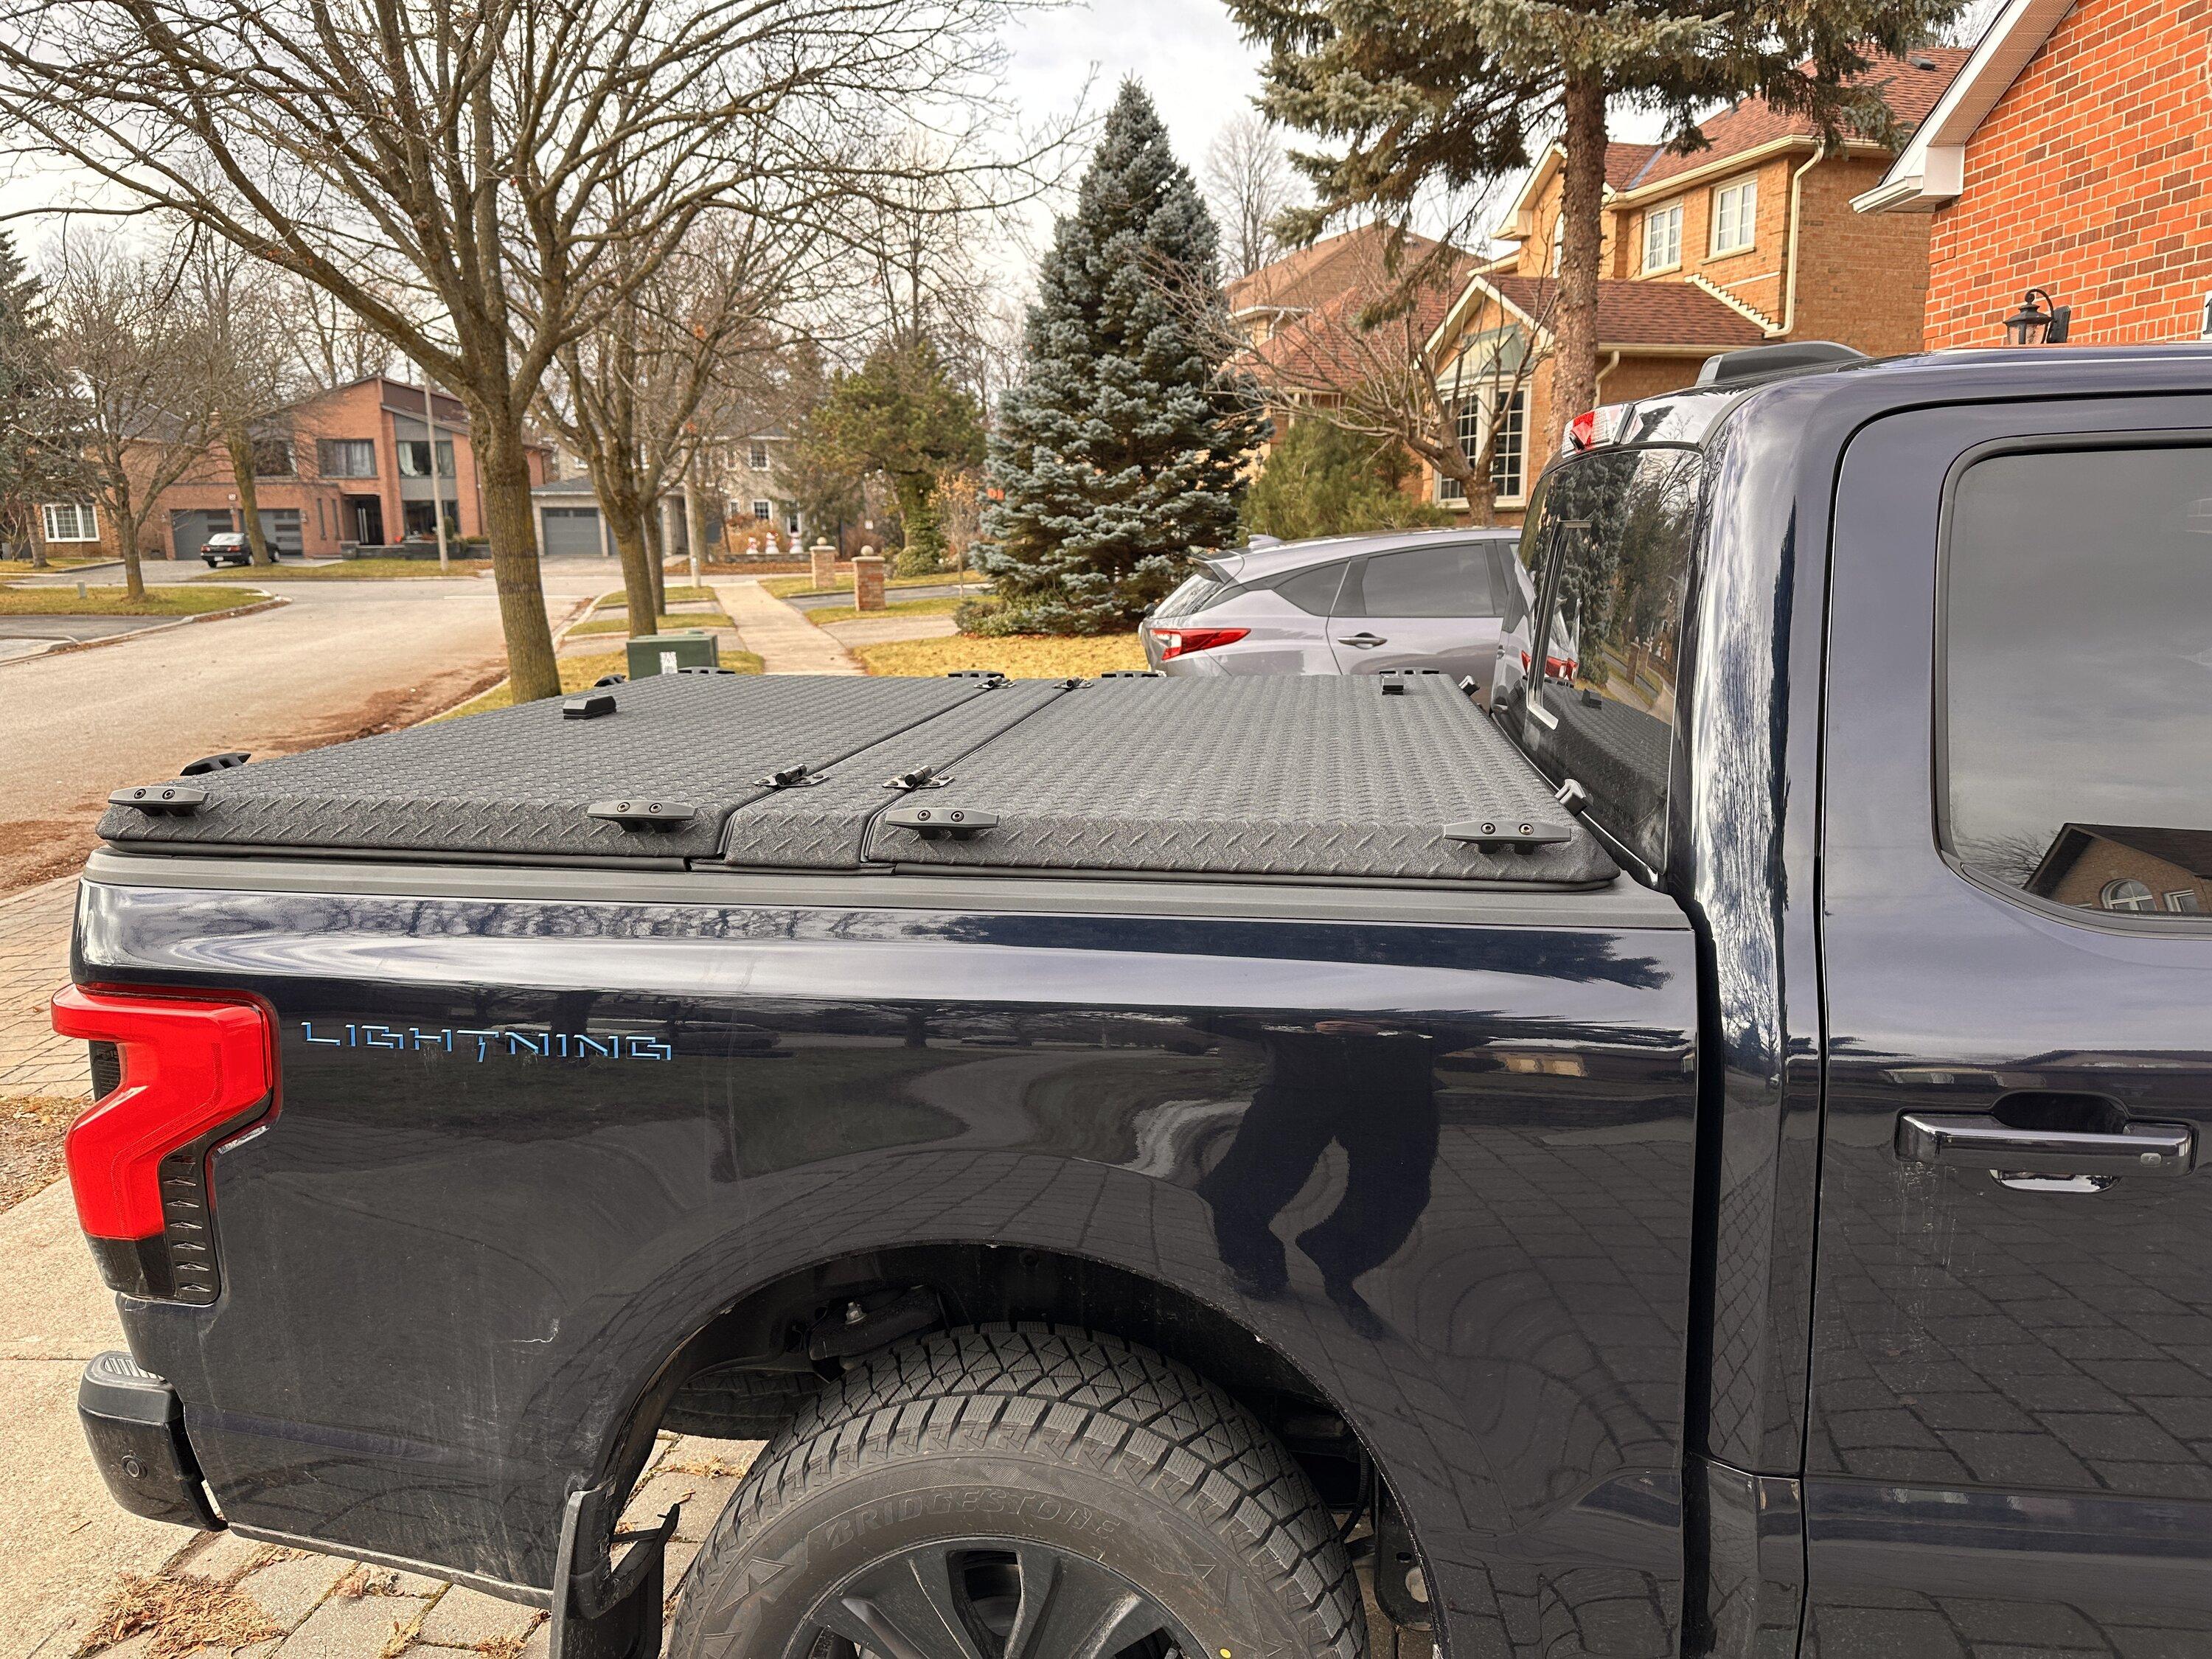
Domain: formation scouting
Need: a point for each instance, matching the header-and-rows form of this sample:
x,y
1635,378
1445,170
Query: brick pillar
x,y
868,581
824,558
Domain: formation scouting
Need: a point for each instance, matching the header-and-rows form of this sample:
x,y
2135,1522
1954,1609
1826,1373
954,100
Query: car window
x,y
2077,670
1314,591
1452,580
1614,541
1198,591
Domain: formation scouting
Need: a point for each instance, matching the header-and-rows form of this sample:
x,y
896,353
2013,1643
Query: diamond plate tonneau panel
x,y
1298,776
824,825
525,782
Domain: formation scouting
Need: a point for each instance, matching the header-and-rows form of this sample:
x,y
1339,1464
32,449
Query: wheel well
x,y
750,1370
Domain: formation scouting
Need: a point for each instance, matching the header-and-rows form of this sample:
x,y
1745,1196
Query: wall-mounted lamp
x,y
2037,325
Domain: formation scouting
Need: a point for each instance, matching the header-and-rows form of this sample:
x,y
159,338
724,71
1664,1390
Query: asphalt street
x,y
339,661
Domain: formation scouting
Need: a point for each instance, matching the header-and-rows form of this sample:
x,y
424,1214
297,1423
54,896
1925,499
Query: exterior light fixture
x,y
2033,324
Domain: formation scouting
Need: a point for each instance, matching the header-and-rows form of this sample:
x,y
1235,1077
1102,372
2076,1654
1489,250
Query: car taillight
x,y
1182,642
1591,428
183,1073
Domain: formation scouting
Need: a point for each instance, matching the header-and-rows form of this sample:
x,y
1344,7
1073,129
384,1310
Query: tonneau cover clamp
x,y
941,823
161,800
1522,835
643,814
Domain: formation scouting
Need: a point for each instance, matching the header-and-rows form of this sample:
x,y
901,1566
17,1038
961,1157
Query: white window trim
x,y
1449,490
1746,223
763,510
84,514
1651,215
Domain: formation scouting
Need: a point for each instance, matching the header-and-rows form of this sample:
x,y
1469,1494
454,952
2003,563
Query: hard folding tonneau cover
x,y
1374,777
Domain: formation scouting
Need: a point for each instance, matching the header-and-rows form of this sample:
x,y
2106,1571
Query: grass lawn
x,y
1025,656
788,587
833,613
347,570
619,623
118,602
685,594
578,673
25,567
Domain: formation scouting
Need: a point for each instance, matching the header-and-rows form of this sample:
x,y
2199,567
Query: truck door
x,y
2009,1446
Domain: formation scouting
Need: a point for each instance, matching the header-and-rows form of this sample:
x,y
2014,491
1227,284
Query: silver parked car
x,y
1341,605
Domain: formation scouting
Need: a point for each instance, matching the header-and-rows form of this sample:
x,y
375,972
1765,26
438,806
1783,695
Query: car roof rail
x,y
1784,357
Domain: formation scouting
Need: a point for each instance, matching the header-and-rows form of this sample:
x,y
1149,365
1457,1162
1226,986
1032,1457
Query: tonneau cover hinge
x,y
800,775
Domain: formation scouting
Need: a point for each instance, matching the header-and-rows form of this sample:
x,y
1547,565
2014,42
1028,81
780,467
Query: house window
x,y
1735,215
418,520
71,521
415,458
1663,237
272,457
791,522
2184,901
346,457
763,511
2126,894
1509,452
756,456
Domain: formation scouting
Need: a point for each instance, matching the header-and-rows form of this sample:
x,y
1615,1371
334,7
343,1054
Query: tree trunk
x,y
924,552
531,667
249,504
694,516
626,525
656,541
125,528
1582,201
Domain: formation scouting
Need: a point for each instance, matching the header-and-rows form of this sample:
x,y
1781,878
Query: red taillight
x,y
1582,431
1182,642
189,1064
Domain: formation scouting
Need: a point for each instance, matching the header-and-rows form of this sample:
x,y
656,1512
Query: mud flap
x,y
603,1608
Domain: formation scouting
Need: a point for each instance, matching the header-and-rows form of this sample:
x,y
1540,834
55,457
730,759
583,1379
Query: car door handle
x,y
1975,1140
1364,641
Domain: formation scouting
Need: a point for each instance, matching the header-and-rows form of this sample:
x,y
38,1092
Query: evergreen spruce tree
x,y
1122,452
39,455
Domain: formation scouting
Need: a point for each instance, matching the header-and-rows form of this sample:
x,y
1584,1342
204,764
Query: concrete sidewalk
x,y
785,641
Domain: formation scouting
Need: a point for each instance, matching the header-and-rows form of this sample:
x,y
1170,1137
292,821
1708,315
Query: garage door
x,y
572,530
280,528
188,532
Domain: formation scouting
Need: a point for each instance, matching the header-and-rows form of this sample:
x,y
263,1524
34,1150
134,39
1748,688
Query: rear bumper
x,y
135,1424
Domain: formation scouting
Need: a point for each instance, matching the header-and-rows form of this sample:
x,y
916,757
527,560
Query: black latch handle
x,y
941,822
640,814
162,799
1522,836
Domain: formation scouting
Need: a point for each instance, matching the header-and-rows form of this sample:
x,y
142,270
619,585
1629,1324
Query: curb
x,y
560,637
61,647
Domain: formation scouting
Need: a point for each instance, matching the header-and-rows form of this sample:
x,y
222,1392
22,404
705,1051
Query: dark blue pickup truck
x,y
1704,1156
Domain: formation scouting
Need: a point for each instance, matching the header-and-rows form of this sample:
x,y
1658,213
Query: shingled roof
x,y
1312,277
1327,348
1639,314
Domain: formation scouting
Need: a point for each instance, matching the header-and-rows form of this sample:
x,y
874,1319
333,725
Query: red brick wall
x,y
1863,279
2089,178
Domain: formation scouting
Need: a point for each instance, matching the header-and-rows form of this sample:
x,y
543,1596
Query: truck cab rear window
x,y
1608,561
2078,678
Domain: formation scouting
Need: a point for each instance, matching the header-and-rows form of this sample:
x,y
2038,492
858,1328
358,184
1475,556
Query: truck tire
x,y
1021,1491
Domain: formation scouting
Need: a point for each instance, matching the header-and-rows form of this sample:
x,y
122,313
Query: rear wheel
x,y
1022,1492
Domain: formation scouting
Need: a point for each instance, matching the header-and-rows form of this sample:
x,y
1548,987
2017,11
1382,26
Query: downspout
x,y
1609,365
1797,199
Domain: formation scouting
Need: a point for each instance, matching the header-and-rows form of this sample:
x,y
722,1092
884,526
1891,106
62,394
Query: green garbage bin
x,y
664,653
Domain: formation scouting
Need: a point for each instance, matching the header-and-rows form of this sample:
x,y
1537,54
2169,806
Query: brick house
x,y
349,466
2073,153
1750,240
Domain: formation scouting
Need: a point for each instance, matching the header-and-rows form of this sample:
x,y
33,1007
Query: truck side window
x,y
1616,535
2077,718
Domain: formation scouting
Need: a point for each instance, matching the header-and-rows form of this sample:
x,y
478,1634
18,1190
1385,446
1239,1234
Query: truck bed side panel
x,y
527,1147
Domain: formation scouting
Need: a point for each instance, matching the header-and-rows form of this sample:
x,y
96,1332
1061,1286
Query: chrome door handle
x,y
1364,641
1975,1140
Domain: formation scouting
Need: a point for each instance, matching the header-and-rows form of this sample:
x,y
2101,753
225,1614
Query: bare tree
x,y
233,298
324,345
1369,361
463,177
1248,182
123,336
635,394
